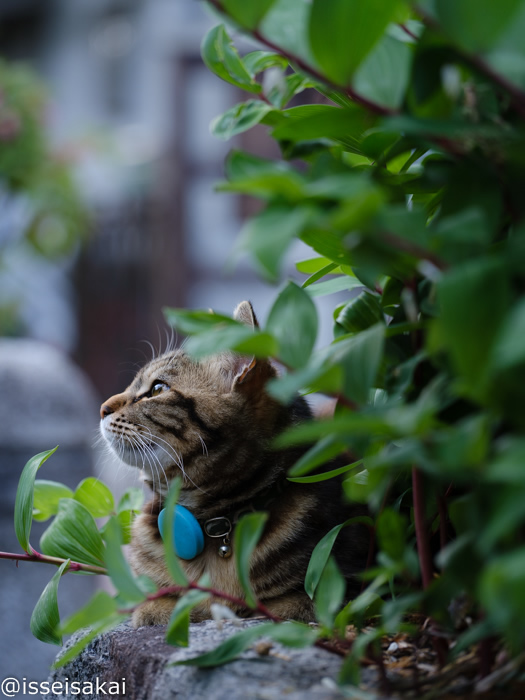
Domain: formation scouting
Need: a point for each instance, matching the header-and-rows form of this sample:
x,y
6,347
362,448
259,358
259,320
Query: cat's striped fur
x,y
213,422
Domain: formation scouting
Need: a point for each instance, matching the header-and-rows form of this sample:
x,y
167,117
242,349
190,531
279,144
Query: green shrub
x,y
403,170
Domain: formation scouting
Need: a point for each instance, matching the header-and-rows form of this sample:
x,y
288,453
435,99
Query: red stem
x,y
409,32
57,561
423,548
442,510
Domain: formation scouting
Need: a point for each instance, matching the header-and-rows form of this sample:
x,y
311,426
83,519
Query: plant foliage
x,y
402,169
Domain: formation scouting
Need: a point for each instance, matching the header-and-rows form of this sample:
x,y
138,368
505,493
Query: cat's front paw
x,y
153,612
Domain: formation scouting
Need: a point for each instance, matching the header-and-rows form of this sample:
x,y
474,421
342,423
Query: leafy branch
x,y
310,70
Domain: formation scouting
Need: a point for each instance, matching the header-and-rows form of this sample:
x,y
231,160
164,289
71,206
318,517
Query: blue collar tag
x,y
188,538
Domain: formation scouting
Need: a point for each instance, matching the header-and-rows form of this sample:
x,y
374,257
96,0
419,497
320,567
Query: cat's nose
x,y
105,410
113,404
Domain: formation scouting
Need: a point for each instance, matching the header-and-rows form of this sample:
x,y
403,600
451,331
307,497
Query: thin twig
x,y
409,32
423,548
57,561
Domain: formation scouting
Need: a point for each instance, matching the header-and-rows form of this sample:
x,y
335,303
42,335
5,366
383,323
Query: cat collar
x,y
188,536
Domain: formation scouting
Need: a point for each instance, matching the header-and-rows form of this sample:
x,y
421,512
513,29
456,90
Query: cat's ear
x,y
250,373
244,313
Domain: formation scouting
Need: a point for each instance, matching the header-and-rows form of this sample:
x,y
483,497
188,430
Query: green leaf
x,y
286,26
339,284
507,466
384,75
391,529
47,495
100,628
24,498
287,87
329,593
239,118
125,520
323,451
474,298
260,177
268,236
73,534
360,313
325,475
501,593
258,61
217,333
178,626
248,532
221,57
172,562
99,607
328,243
95,496
322,552
326,270
346,126
45,617
190,322
241,339
132,499
360,357
247,14
228,650
476,25
312,265
509,349
293,322
314,377
358,423
508,513
343,32
292,634
118,567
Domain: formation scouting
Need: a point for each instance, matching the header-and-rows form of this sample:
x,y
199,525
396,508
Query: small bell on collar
x,y
220,527
225,550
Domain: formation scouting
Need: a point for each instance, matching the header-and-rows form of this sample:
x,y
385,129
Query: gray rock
x,y
44,398
143,659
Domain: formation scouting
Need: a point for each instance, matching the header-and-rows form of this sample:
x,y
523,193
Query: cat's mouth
x,y
138,450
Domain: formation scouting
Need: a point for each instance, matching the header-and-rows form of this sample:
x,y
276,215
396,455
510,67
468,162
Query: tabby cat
x,y
213,422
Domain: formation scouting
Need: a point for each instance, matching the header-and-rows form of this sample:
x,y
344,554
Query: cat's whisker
x,y
158,466
150,455
172,455
204,447
150,345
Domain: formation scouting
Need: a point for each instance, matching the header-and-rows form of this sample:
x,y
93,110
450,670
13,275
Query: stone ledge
x,y
142,657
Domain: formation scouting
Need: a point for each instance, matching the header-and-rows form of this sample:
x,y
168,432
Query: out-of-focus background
x,y
86,265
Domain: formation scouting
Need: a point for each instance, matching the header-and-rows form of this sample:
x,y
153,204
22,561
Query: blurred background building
x,y
131,102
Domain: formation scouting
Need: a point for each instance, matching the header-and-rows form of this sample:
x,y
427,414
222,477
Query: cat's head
x,y
195,418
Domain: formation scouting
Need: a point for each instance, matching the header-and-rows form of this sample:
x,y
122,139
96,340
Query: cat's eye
x,y
158,388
